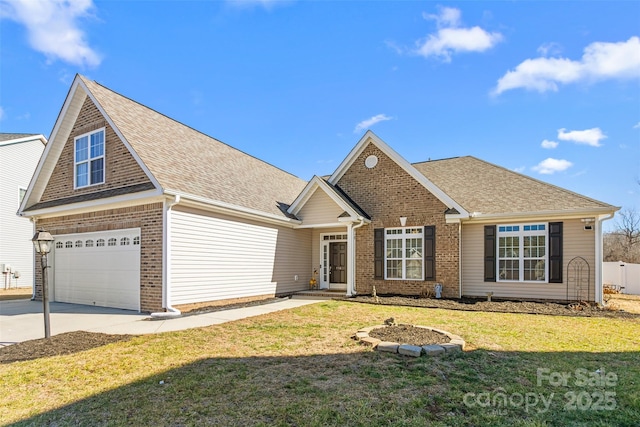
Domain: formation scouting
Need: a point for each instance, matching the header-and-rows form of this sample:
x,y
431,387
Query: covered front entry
x,y
333,262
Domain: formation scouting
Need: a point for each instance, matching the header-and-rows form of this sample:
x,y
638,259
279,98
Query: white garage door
x,y
101,268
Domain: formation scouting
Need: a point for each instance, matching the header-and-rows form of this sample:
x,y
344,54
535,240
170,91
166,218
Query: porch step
x,y
319,293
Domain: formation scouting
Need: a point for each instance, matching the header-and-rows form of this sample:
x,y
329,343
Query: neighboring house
x,y
149,214
19,155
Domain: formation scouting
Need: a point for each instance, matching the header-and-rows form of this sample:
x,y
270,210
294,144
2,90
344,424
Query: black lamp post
x,y
43,242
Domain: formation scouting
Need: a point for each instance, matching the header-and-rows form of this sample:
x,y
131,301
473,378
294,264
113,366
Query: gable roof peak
x,y
371,138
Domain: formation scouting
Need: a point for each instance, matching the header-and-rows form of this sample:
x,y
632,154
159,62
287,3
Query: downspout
x,y
351,289
166,260
460,259
601,219
33,267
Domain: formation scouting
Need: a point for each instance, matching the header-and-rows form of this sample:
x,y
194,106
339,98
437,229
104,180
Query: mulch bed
x,y
408,334
467,304
67,343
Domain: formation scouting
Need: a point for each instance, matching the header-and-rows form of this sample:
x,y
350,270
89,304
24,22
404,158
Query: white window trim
x,y
323,273
404,238
89,158
521,258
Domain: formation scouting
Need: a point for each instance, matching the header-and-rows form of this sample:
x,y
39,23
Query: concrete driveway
x,y
22,320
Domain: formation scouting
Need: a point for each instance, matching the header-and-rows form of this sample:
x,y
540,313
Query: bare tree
x,y
623,244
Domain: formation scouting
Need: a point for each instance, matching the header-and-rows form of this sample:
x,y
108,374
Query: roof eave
x,y
478,217
228,208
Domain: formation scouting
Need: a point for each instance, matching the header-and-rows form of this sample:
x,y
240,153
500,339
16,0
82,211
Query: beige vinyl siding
x,y
320,209
219,257
17,163
576,242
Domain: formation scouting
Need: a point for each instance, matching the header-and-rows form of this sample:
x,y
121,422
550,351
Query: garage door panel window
x,y
124,241
88,243
112,241
89,159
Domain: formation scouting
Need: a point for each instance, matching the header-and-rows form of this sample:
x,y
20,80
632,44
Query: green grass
x,y
301,367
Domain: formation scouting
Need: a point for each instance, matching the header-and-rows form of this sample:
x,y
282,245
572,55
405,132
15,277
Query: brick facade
x,y
386,192
121,169
146,217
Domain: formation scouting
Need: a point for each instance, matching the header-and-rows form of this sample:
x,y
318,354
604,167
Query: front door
x,y
338,263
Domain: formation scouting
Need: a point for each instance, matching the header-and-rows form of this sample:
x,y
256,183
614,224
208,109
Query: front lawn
x,y
301,367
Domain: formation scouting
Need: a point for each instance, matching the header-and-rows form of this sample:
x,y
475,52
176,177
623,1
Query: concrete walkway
x,y
22,320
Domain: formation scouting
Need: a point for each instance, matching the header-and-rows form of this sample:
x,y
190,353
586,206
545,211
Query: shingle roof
x,y
187,161
483,187
10,136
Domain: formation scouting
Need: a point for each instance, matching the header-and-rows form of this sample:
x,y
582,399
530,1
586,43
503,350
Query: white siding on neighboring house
x,y
320,209
576,242
219,257
18,161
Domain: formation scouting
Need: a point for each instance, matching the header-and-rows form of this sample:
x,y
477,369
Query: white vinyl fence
x,y
622,275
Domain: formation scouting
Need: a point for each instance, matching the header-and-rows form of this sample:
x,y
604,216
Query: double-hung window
x,y
404,253
89,159
522,253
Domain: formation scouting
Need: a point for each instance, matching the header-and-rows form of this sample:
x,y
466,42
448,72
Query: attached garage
x,y
100,269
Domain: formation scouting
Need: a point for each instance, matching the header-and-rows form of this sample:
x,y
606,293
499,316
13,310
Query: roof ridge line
x,y
542,182
191,128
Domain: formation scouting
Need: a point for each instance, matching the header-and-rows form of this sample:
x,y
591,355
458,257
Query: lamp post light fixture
x,y
43,241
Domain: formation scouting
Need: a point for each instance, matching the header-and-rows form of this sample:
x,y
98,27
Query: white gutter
x,y
599,257
480,217
166,257
229,208
351,238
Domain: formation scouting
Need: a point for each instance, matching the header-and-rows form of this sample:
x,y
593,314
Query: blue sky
x,y
550,89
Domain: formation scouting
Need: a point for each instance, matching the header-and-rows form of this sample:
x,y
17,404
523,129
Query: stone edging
x,y
456,344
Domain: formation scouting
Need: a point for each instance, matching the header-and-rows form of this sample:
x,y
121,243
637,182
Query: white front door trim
x,y
324,274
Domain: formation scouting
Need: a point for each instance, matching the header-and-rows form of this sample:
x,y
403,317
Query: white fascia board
x,y
315,183
230,209
121,136
327,225
134,199
24,139
478,217
370,137
69,112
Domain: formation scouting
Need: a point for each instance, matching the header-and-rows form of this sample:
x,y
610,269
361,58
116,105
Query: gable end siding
x,y
121,169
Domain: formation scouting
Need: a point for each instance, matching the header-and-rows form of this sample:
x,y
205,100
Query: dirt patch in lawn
x,y
408,334
67,343
525,307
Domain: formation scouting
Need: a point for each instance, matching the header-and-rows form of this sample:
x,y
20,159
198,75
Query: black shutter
x,y
430,252
489,253
378,253
555,252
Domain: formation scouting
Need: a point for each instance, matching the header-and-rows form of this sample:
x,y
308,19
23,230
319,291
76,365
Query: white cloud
x,y
267,4
550,166
590,137
1,113
53,28
549,144
451,38
637,126
365,124
549,49
600,61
